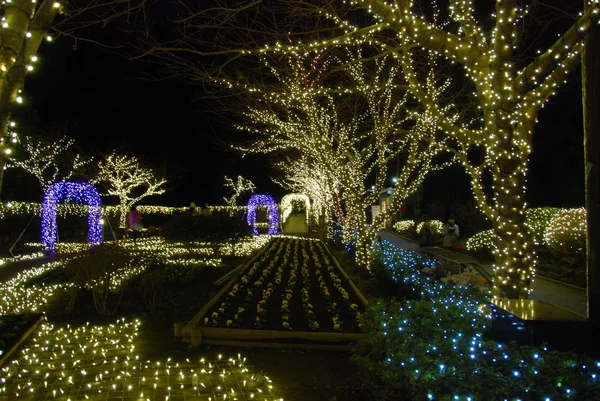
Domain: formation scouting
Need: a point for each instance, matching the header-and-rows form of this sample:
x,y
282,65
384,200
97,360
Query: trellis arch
x,y
272,209
286,206
80,192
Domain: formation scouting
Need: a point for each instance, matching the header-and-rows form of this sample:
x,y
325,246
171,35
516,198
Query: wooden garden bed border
x,y
256,337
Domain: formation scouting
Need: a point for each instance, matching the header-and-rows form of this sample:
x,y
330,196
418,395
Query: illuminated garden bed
x,y
293,293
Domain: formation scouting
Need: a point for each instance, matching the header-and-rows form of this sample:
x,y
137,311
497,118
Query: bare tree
x,y
128,180
48,161
25,25
240,186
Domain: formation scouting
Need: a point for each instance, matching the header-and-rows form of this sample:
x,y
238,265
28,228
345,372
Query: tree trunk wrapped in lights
x,y
24,26
510,100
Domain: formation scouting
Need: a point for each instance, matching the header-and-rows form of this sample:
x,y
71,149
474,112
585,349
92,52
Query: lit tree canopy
x,y
128,180
240,186
348,134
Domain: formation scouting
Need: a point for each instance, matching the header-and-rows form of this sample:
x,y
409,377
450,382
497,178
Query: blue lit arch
x,y
80,192
272,209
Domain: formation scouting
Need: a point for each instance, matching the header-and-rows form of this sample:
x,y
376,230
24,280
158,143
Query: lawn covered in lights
x,y
77,361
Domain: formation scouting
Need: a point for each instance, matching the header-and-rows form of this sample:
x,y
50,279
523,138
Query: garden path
x,y
563,295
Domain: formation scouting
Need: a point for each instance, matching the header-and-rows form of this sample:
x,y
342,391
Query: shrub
x,y
404,226
483,240
436,225
537,220
435,347
566,233
98,271
216,227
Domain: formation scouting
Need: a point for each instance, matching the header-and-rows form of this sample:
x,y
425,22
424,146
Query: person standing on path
x,y
426,235
134,222
451,233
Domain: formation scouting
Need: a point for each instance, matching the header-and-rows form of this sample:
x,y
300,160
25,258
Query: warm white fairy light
x,y
509,94
240,186
42,160
567,231
287,202
333,143
84,362
21,38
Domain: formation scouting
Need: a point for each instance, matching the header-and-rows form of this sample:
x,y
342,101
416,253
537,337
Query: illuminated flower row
x,y
287,268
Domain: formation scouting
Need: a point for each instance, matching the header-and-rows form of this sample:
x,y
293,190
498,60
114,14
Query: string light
x,y
267,201
80,192
287,204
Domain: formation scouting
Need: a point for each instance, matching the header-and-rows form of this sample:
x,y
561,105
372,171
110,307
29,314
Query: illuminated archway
x,y
80,192
287,202
272,210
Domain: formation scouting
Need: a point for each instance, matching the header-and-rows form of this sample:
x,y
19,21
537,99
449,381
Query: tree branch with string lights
x,y
126,178
47,161
349,135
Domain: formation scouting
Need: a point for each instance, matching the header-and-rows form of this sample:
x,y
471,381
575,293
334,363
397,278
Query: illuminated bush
x,y
483,240
537,220
566,232
404,226
436,225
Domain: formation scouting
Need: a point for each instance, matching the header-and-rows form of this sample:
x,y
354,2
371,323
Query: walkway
x,y
565,296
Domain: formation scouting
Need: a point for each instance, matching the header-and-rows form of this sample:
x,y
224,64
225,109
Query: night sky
x,y
96,94
106,106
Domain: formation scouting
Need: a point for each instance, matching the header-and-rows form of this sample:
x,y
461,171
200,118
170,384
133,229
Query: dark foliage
x,y
216,227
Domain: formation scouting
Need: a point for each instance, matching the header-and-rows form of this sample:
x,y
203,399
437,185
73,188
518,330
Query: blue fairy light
x,y
80,192
263,200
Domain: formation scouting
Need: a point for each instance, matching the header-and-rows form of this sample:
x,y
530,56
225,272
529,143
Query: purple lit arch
x,y
272,209
80,192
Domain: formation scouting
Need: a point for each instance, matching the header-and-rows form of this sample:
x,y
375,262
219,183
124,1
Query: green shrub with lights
x,y
537,220
432,345
404,226
436,225
566,233
483,240
563,231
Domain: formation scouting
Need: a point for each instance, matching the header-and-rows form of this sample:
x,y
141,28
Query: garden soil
x,y
297,374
